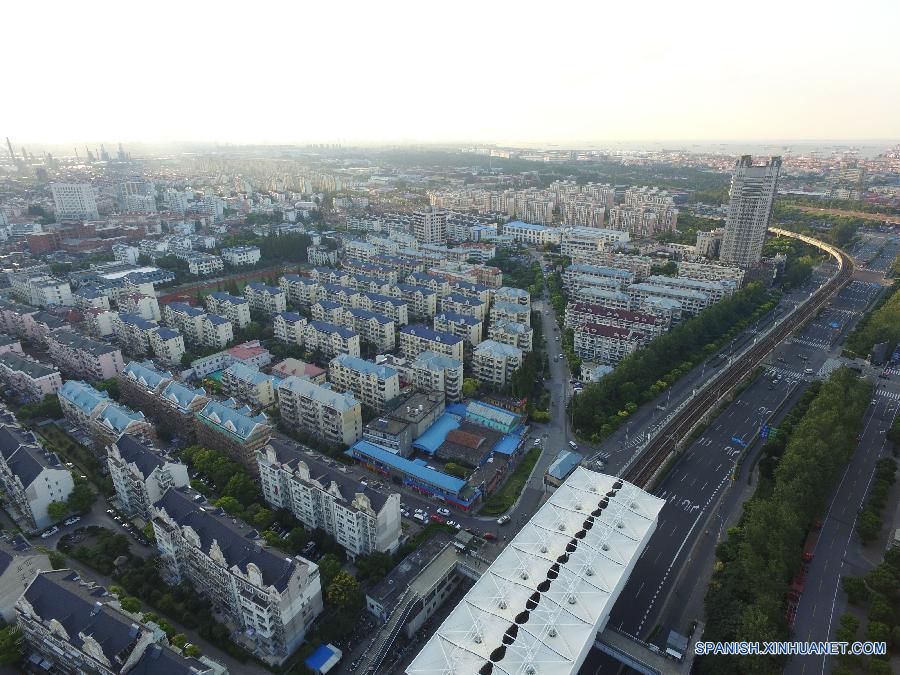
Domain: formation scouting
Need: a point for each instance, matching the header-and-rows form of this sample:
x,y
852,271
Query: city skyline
x,y
414,75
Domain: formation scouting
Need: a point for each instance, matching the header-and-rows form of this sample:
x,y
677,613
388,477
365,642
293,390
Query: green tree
x,y
856,590
130,604
57,510
470,387
57,560
344,592
179,640
329,566
149,533
12,646
192,650
230,505
242,488
82,497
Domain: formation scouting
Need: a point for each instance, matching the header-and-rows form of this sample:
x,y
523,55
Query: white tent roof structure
x,y
537,609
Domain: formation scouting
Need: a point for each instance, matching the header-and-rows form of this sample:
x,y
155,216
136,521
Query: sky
x,y
487,71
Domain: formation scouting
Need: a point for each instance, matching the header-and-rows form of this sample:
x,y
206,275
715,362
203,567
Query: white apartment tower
x,y
74,201
430,226
749,210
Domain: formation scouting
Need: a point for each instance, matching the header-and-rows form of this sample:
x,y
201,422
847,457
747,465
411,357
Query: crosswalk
x,y
811,343
892,395
786,373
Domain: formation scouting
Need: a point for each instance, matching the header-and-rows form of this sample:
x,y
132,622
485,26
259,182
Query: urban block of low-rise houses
x,y
272,599
30,379
79,356
31,476
171,404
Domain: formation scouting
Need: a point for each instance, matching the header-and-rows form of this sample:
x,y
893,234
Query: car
x,y
560,356
444,512
404,513
502,520
72,520
49,533
874,401
110,511
438,519
490,536
421,517
69,465
537,441
557,338
574,445
808,371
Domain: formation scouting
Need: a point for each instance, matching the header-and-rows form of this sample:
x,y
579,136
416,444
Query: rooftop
x,y
495,348
325,327
435,361
589,534
321,393
234,421
363,366
427,333
453,317
34,369
240,543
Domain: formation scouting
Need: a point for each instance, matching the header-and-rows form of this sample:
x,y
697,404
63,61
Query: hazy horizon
x,y
508,74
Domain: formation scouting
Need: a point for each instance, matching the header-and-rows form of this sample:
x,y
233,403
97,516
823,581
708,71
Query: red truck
x,y
798,583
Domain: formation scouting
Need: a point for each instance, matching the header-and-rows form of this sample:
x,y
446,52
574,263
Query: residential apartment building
x,y
750,202
167,345
535,235
328,310
73,626
421,301
438,372
265,299
330,339
320,411
519,335
716,290
133,333
456,303
222,426
42,290
145,306
576,241
20,562
300,290
709,271
692,302
187,319
289,327
709,244
362,520
141,474
581,275
469,328
648,325
248,385
513,296
239,256
217,331
415,339
204,264
374,385
389,306
79,356
431,281
233,307
170,403
606,344
74,201
507,311
89,296
99,321
429,226
98,415
373,327
31,477
30,379
272,599
495,362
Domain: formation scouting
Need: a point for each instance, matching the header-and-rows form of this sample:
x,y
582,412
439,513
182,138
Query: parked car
x,y
421,517
72,520
490,536
502,520
444,512
438,519
49,533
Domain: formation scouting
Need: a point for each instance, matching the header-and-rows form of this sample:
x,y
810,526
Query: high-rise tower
x,y
749,210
